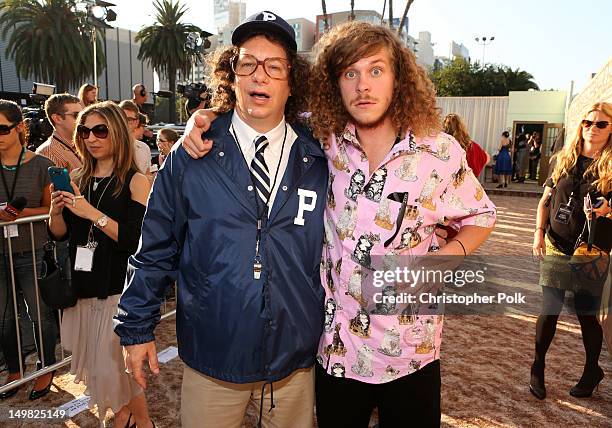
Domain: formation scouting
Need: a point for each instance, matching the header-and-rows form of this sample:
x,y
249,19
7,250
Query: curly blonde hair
x,y
454,125
600,168
222,77
414,100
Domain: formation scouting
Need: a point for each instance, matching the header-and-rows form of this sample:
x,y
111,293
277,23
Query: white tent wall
x,y
485,117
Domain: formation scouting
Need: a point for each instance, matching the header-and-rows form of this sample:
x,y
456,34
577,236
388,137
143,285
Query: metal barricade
x,y
64,359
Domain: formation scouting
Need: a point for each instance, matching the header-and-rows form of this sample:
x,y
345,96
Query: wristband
x,y
462,247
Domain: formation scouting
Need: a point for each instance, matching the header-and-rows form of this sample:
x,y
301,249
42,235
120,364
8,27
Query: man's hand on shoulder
x,y
192,140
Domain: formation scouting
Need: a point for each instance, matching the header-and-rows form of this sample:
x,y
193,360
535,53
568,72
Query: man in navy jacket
x,y
241,232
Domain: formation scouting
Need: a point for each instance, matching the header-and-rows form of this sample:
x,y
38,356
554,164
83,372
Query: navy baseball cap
x,y
266,22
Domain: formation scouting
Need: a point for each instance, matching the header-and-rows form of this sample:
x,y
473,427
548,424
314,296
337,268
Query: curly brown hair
x,y
414,100
222,77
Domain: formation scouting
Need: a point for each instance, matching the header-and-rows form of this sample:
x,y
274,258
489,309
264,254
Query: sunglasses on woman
x,y
6,129
99,131
602,124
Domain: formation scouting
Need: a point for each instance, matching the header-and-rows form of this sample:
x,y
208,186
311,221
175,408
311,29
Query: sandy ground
x,y
485,359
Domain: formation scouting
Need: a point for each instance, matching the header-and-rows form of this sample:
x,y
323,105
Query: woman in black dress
x,y
102,220
582,167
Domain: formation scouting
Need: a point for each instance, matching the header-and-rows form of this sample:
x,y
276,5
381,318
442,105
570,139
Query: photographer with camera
x,y
62,111
197,96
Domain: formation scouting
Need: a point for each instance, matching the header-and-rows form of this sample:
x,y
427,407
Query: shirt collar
x,y
247,135
408,143
63,140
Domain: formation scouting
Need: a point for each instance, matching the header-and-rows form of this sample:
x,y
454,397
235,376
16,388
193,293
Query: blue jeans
x,y
24,281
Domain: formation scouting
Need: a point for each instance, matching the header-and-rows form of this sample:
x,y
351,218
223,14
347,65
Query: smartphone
x,y
60,179
598,203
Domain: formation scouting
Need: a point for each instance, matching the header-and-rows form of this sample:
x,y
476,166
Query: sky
x,y
557,41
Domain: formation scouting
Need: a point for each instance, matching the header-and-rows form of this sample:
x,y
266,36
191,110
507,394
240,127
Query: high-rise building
x,y
370,16
424,49
458,50
228,14
337,18
304,33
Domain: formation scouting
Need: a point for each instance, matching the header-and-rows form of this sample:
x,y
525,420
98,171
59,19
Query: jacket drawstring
x,y
272,406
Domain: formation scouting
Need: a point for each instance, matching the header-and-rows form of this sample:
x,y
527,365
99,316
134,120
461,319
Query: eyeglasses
x,y
99,131
276,68
6,129
602,124
74,114
131,119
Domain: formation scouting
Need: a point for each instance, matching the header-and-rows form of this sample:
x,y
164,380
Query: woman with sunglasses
x,y
581,168
23,175
102,220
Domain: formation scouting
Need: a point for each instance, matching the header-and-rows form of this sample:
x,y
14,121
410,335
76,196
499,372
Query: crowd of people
x,y
268,220
98,143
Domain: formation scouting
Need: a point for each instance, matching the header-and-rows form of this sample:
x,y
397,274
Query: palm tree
x,y
325,22
162,44
50,41
401,25
352,15
519,80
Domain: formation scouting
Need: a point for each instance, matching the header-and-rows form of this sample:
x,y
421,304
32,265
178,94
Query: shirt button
x,y
250,188
284,188
305,159
221,154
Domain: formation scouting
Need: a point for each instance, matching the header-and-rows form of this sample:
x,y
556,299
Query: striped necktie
x,y
259,170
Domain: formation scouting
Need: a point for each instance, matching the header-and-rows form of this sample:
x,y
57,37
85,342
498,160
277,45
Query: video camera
x,y
192,90
39,127
195,93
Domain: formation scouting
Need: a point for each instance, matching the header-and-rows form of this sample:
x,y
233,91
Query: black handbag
x,y
54,281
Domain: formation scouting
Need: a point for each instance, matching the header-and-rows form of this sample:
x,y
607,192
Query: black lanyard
x,y
55,137
10,194
261,214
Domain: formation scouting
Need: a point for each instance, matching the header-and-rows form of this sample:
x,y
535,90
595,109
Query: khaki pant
x,y
208,402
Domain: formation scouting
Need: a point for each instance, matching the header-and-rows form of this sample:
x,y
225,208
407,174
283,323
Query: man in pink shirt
x,y
393,177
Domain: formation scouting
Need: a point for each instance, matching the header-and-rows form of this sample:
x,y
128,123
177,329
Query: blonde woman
x,y
102,219
476,157
582,167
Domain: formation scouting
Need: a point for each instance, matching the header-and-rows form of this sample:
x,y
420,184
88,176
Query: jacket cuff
x,y
137,340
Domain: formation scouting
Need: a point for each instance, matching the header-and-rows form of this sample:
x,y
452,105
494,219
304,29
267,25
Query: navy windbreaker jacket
x,y
200,229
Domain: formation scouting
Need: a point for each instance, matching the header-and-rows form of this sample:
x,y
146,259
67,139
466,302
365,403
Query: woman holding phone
x,y
102,220
23,175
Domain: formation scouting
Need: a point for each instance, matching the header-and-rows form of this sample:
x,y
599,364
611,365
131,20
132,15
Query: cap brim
x,y
243,31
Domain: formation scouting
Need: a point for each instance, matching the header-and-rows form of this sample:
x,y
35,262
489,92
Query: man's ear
x,y
55,118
